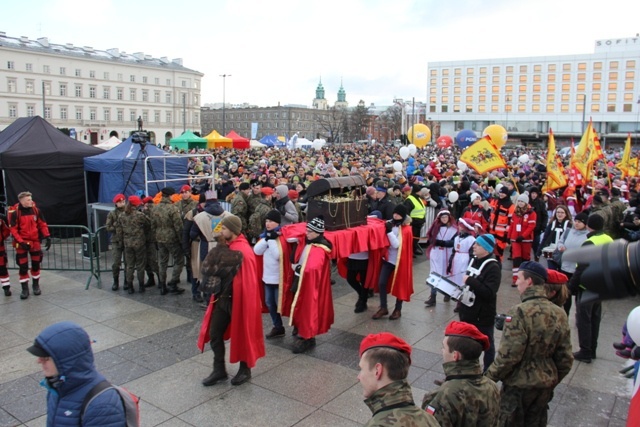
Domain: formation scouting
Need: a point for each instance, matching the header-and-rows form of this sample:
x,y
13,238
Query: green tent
x,y
187,141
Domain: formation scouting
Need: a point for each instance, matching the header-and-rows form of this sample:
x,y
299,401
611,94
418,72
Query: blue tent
x,y
108,173
269,140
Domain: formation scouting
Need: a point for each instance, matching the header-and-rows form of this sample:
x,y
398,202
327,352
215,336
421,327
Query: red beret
x,y
556,278
385,339
147,199
185,188
119,198
293,194
135,200
467,330
267,191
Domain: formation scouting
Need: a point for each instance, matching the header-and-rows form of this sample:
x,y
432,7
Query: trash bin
x,y
87,247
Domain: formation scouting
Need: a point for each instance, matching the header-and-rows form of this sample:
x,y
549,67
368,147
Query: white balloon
x,y
633,324
524,158
412,149
462,165
453,196
404,152
397,166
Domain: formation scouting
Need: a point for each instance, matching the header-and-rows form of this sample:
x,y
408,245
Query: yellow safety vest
x,y
418,211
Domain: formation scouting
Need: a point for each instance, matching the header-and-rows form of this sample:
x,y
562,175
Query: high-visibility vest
x,y
418,211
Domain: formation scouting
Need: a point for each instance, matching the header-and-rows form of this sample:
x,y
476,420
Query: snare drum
x,y
444,285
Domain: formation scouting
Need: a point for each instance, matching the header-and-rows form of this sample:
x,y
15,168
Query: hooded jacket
x,y
70,348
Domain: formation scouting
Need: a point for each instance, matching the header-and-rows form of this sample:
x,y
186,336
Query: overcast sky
x,y
275,51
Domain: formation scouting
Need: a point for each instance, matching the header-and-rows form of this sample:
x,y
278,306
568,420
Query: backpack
x,y
130,401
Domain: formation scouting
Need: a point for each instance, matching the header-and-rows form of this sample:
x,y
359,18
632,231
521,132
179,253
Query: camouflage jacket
x,y
535,349
258,217
151,235
252,201
167,222
466,398
606,212
240,208
113,225
135,227
185,206
393,405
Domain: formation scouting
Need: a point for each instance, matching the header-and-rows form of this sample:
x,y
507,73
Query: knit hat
x,y
168,191
505,190
534,268
524,197
119,198
244,186
232,223
595,222
135,200
401,210
487,242
274,215
466,330
185,188
316,224
474,196
385,340
582,217
534,190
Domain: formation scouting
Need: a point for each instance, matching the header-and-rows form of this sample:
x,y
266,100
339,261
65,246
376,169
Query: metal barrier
x,y
73,248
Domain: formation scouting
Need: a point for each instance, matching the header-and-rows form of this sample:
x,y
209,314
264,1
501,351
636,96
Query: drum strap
x,y
479,270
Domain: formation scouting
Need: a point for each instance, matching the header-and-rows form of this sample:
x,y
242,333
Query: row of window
x,y
267,125
93,92
275,115
533,108
46,69
565,97
581,77
536,88
509,69
63,114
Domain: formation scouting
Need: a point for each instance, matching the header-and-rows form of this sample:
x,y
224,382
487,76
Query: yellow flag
x,y
626,158
483,156
586,153
555,169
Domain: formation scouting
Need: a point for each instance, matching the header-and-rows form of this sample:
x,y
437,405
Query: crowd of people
x,y
227,228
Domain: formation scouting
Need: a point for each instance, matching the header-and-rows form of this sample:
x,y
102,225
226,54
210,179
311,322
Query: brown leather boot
x,y
380,313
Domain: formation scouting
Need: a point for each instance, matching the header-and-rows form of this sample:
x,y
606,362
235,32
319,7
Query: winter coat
x,y
550,233
393,405
485,286
572,239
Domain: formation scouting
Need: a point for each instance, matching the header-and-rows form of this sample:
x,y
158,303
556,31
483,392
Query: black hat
x,y
595,222
274,215
316,224
582,217
505,190
244,186
401,210
168,191
535,268
534,190
37,350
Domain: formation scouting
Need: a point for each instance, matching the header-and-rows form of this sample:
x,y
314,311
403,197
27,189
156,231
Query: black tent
x,y
37,157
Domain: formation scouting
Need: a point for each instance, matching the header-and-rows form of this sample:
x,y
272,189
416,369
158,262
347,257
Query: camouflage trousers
x,y
152,258
524,407
175,250
134,259
117,250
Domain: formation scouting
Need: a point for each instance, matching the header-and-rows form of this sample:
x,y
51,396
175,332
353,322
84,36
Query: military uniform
x,y
257,218
393,405
135,227
151,266
604,210
534,356
117,243
240,208
185,207
466,398
169,226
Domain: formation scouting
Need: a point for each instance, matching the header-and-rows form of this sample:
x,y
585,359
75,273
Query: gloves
x,y
439,242
47,243
519,239
271,235
388,226
23,245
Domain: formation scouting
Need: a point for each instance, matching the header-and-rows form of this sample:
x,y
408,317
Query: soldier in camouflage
x,y
117,246
466,398
152,246
135,227
535,352
168,225
186,204
261,208
239,206
384,365
255,196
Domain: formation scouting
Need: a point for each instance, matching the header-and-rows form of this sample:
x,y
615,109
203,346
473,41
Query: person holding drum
x,y
441,234
557,226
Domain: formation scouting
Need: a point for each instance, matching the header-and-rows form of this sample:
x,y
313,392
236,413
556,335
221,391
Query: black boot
x,y
25,290
125,287
36,287
431,301
7,290
151,282
141,286
361,305
163,288
174,289
219,374
129,287
243,375
116,284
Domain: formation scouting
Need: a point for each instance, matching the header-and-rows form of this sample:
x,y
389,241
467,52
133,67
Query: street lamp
x,y
507,99
638,120
224,82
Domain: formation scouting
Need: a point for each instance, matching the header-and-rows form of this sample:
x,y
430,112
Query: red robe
x,y
400,283
285,296
245,330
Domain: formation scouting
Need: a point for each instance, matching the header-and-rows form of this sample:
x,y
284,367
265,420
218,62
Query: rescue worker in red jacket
x,y
28,229
521,232
4,273
501,215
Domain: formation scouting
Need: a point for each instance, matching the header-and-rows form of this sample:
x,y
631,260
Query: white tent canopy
x,y
109,143
256,144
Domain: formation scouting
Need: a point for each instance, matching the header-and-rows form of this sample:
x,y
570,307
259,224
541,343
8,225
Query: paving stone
x,y
7,420
18,389
322,418
29,407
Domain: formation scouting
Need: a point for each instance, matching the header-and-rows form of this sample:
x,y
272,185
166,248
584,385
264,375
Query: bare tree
x,y
332,121
393,119
360,119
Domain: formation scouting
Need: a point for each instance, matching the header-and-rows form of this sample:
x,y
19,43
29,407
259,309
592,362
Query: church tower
x,y
342,98
319,102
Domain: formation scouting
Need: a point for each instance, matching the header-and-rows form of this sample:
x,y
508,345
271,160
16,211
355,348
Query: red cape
x,y
285,297
400,283
312,305
245,330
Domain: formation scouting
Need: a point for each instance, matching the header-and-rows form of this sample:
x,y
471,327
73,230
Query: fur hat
x,y
316,224
401,210
233,224
274,215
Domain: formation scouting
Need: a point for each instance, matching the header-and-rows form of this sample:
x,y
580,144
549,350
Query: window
x,y
119,77
612,86
167,97
92,114
596,86
551,88
456,99
595,108
566,67
445,81
92,74
536,98
29,87
613,65
445,72
457,71
29,67
495,98
168,82
13,111
156,116
11,65
46,69
120,115
629,75
551,97
47,112
132,94
157,81
78,91
494,109
536,88
132,78
482,89
481,108
156,96
63,71
63,113
522,79
537,68
551,77
106,92
522,98
145,116
582,77
522,108
92,92
537,78
78,72
63,89
47,88
168,117
564,108
456,89
78,113
133,116
11,86
611,108
119,94
565,97
595,97
611,97
144,79
523,69
495,89
566,77
106,75
483,70
496,70
566,87
613,75
469,80
106,115
509,79
432,108
145,96
495,79
482,80
628,86
456,81
627,108
445,108
469,99
597,65
184,83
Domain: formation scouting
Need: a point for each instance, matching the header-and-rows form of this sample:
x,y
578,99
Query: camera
x,y
140,138
613,270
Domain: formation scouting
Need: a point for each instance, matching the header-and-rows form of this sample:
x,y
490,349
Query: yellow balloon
x,y
419,135
497,133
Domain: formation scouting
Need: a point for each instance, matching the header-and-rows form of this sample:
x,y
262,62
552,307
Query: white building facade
x,y
529,96
94,93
